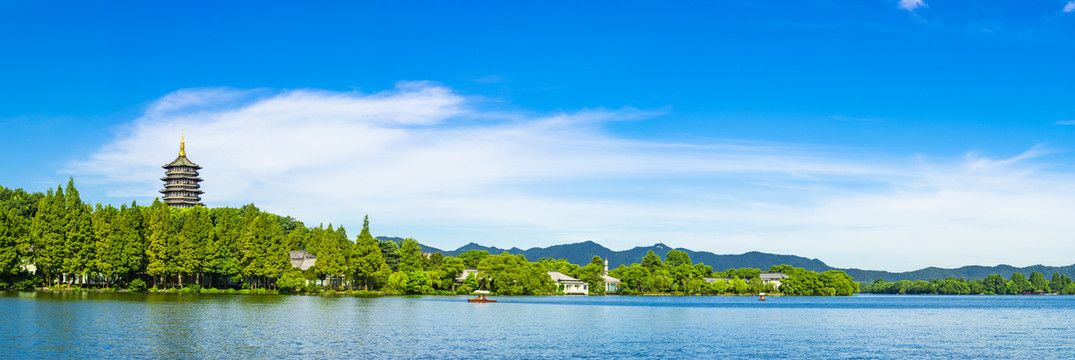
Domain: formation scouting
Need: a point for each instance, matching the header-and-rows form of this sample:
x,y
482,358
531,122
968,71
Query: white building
x,y
569,285
772,278
612,285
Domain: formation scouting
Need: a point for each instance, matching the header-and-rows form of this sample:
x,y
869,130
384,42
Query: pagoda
x,y
181,180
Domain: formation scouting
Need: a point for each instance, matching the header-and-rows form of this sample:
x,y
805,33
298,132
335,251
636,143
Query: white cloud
x,y
1066,122
910,5
426,162
1070,6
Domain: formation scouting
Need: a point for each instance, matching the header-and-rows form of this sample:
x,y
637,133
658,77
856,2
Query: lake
x,y
85,325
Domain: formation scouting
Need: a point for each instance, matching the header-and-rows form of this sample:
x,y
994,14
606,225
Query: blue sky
x,y
876,134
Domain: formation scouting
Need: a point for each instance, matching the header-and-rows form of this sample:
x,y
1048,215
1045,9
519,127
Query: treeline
x,y
71,243
67,242
677,274
991,285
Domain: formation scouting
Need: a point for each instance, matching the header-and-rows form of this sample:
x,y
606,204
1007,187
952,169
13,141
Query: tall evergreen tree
x,y
224,253
193,239
78,249
130,235
390,250
330,257
345,246
254,239
277,261
48,231
366,258
23,206
313,244
160,236
13,229
107,246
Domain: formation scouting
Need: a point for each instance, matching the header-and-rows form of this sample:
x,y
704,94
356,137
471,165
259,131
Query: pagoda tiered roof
x,y
181,188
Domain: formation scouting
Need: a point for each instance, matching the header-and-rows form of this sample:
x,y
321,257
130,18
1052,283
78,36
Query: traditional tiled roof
x,y
302,260
563,279
610,280
772,276
182,161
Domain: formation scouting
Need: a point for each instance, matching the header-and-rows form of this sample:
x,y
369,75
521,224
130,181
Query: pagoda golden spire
x,y
182,144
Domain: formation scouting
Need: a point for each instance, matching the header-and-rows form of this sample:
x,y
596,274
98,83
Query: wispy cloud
x,y
1070,6
911,5
424,161
1066,122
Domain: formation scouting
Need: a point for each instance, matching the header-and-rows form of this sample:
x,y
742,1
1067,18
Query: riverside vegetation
x,y
990,285
73,245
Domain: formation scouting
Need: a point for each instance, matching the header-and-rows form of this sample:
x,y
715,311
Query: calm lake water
x,y
53,325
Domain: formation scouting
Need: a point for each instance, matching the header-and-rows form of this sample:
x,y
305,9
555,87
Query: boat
x,y
481,297
762,298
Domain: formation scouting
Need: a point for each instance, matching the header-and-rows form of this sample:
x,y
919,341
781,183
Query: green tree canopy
x,y
676,258
410,256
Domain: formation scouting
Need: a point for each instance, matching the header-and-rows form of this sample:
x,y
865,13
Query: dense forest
x,y
70,244
991,285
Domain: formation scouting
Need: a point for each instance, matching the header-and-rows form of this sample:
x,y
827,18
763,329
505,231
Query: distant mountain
x,y
581,253
967,272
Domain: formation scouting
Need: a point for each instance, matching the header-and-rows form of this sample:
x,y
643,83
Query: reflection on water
x,y
84,325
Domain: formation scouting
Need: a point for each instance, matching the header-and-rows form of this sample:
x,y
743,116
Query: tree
x,y
632,278
651,261
676,258
331,260
160,235
561,265
78,244
108,245
291,281
841,284
1019,284
366,257
995,284
450,269
265,257
682,274
1059,282
397,282
703,270
129,232
1037,281
740,286
48,231
514,275
410,256
471,258
1054,284
390,251
13,229
194,240
224,250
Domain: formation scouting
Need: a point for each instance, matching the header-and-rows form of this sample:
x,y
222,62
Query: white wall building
x,y
569,285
